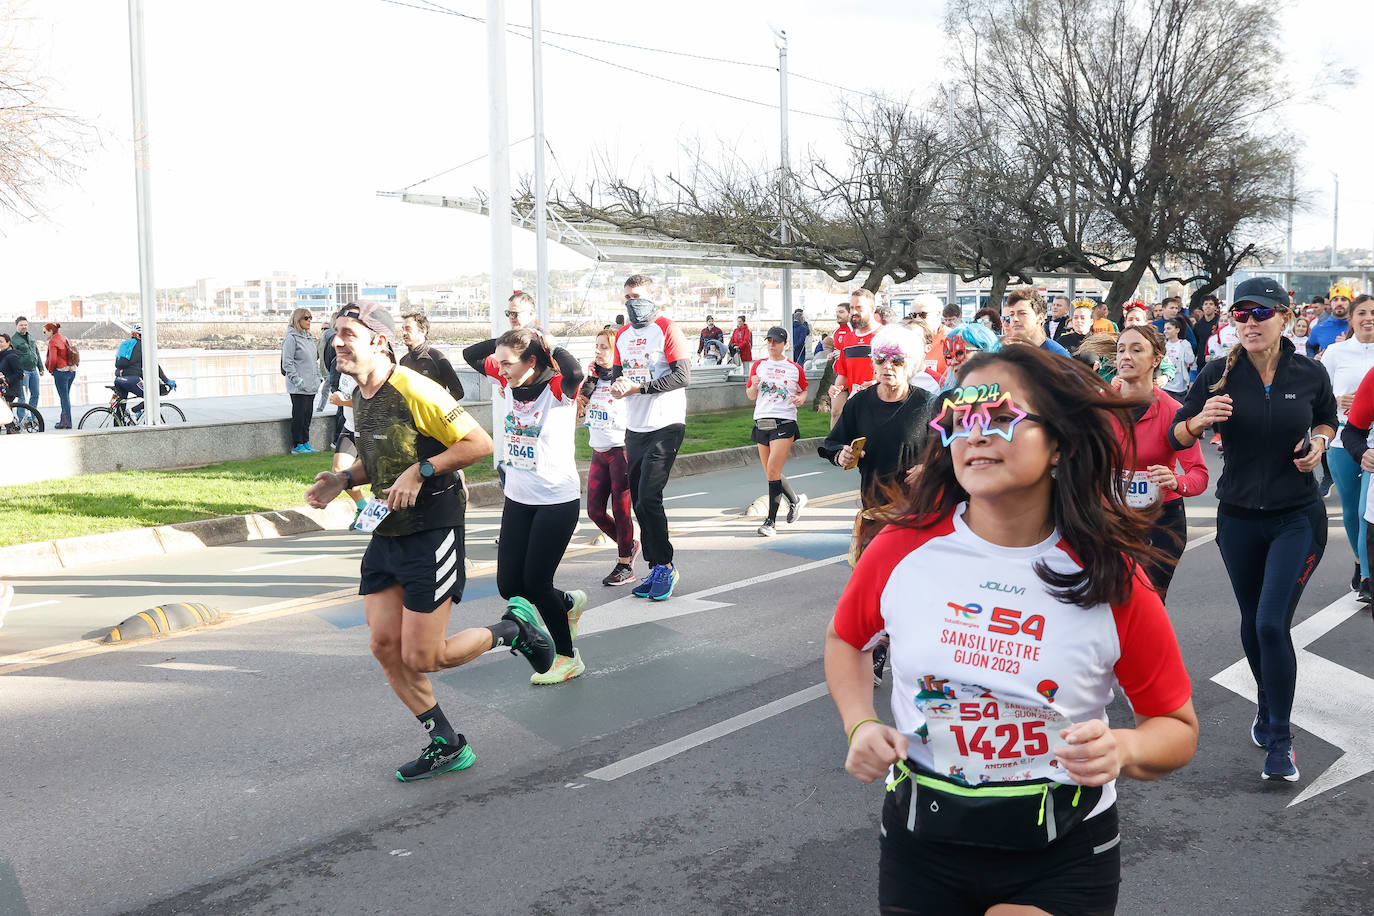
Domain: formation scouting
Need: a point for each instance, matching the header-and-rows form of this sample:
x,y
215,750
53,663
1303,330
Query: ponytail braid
x,y
1231,360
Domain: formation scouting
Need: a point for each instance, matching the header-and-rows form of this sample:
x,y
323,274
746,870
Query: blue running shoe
x,y
1281,762
662,590
1258,730
645,588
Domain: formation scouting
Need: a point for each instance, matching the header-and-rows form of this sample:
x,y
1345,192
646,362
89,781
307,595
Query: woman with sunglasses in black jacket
x,y
1277,414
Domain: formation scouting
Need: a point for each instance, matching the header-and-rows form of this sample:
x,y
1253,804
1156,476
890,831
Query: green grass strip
x,y
96,503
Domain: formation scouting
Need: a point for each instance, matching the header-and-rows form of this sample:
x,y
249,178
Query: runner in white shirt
x,y
777,386
1008,635
1347,361
608,481
542,487
653,367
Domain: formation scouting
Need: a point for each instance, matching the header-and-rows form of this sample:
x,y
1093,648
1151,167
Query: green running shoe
x,y
579,599
439,757
533,642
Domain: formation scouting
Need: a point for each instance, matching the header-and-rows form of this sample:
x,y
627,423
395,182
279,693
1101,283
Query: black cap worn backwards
x,y
1263,291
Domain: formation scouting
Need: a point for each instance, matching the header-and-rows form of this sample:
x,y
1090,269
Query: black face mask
x,y
641,311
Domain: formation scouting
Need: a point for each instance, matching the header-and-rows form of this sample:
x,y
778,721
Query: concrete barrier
x,y
30,459
162,619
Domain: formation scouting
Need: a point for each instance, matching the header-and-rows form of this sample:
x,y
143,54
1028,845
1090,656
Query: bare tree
x,y
39,142
1129,105
871,215
1247,197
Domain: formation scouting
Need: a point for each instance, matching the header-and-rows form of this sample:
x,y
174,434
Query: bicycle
x,y
121,412
10,424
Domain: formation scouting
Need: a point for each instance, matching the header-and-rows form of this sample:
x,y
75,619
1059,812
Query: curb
x,y
54,556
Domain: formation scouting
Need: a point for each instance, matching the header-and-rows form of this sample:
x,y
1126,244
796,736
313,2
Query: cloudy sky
x,y
274,122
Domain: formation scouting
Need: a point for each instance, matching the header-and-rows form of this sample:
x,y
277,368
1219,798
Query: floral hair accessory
x,y
889,352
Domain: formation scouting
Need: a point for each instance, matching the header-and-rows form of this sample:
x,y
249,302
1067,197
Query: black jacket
x,y
1260,439
12,370
433,365
896,433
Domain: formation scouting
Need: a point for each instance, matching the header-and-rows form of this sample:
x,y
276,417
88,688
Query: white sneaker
x,y
767,530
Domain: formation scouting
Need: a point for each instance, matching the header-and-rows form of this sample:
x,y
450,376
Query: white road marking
x,y
630,611
1332,702
279,563
25,607
198,666
684,496
654,755
800,476
1200,540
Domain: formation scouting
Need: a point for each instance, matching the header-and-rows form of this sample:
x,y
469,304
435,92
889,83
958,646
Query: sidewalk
x,y
237,408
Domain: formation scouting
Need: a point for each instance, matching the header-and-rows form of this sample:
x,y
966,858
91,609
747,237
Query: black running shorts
x,y
785,429
1077,875
344,445
428,565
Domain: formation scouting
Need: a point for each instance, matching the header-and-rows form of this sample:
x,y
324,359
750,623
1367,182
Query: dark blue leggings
x,y
1269,561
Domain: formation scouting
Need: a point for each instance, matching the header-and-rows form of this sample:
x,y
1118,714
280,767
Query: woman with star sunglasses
x,y
1276,413
1010,583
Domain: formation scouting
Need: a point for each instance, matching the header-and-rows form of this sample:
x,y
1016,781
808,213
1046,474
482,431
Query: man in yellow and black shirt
x,y
412,439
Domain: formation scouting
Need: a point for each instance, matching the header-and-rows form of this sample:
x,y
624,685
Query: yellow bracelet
x,y
856,725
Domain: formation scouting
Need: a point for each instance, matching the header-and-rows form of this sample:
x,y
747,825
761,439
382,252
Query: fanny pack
x,y
766,424
1007,815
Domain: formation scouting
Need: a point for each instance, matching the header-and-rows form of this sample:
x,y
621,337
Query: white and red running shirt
x,y
643,355
537,445
779,381
605,417
987,665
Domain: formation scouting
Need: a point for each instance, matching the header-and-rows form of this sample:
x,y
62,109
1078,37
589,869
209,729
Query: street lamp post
x,y
783,231
144,195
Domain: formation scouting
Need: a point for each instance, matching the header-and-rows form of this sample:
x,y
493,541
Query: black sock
x,y
503,633
774,498
788,491
437,725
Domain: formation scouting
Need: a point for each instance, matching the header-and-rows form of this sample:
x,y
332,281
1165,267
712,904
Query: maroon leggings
x,y
609,482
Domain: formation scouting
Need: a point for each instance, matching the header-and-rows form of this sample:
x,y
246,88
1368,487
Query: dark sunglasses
x,y
511,313
918,314
1259,313
894,360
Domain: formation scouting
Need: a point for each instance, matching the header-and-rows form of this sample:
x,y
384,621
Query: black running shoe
x,y
623,574
533,642
439,757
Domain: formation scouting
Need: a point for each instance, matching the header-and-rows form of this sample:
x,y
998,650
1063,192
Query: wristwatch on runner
x,y
348,479
1326,441
426,469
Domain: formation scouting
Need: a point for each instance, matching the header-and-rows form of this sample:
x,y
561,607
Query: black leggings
x,y
533,539
300,418
1269,560
651,456
1170,534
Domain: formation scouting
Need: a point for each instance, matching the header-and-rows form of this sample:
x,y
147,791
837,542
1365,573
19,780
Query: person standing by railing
x,y
302,371
29,361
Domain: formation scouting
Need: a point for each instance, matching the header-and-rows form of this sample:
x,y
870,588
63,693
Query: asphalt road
x,y
696,768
